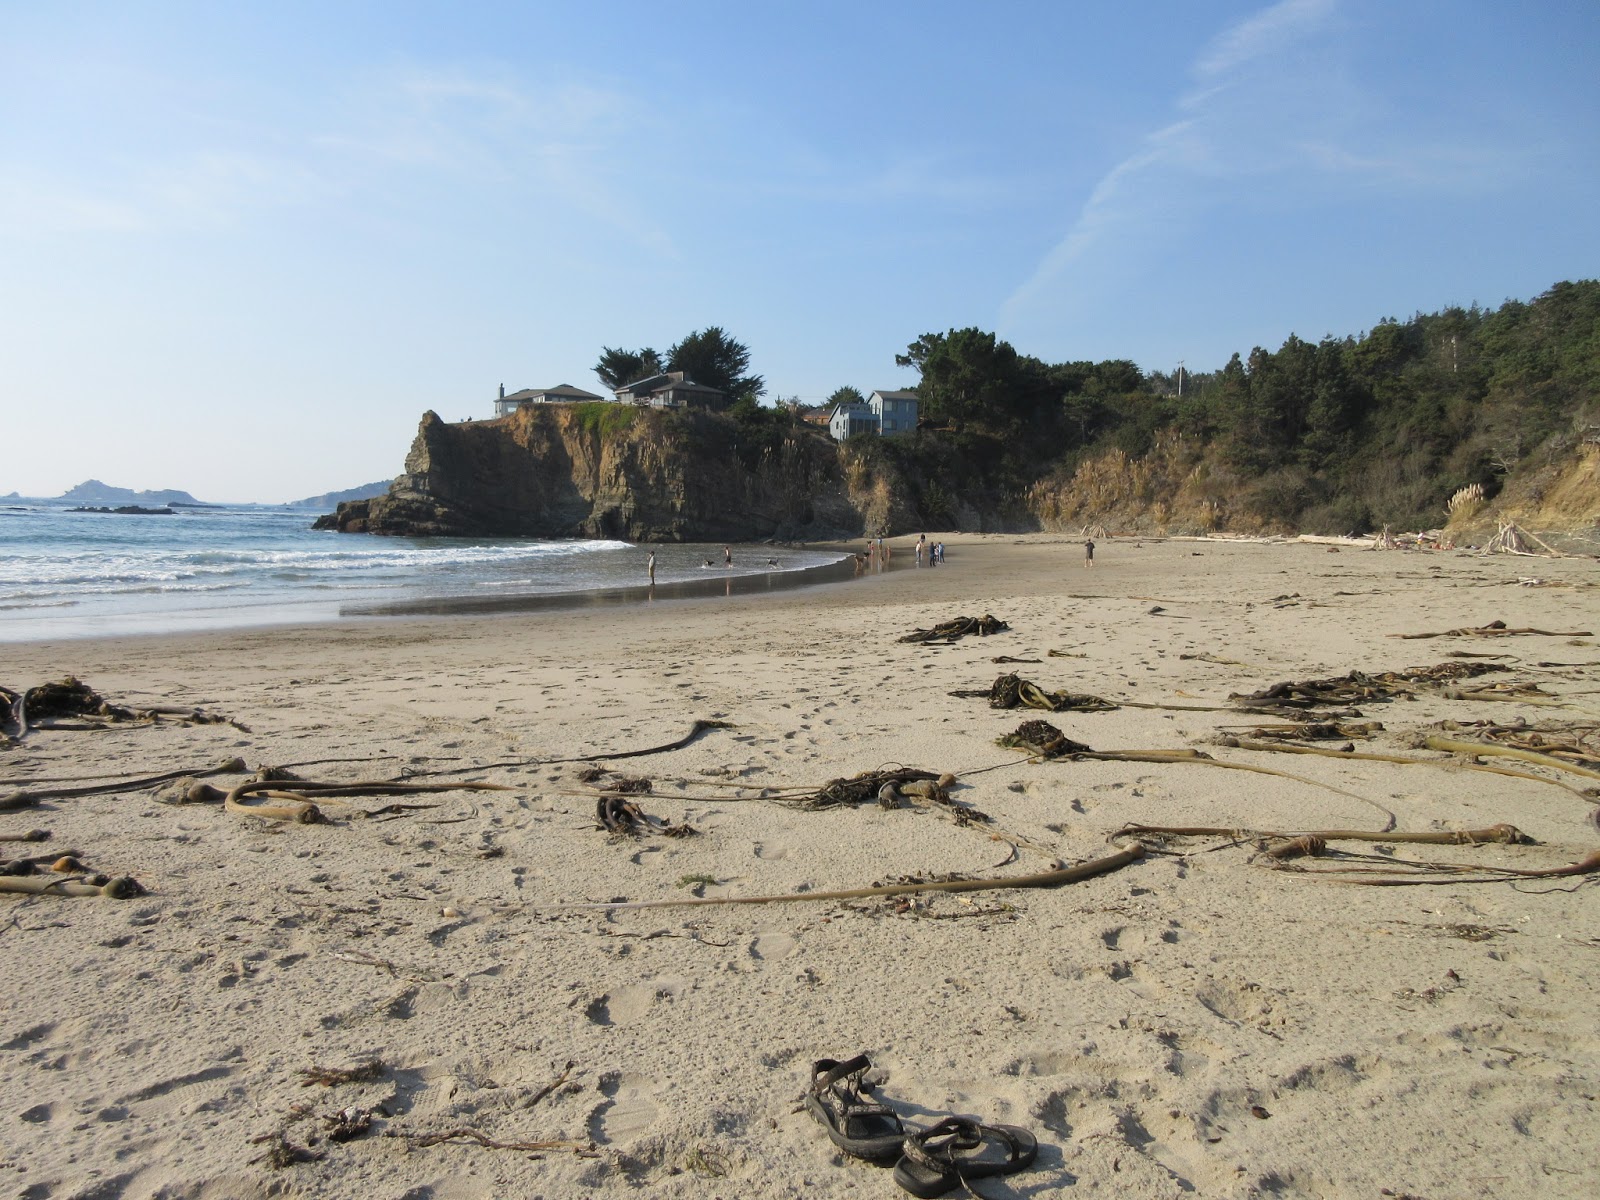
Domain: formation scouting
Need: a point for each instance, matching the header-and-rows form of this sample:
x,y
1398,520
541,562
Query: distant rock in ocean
x,y
333,499
92,491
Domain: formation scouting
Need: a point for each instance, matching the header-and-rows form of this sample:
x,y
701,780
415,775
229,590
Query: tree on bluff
x,y
710,357
618,368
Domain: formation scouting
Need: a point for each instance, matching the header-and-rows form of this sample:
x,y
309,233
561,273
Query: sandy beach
x,y
1197,1022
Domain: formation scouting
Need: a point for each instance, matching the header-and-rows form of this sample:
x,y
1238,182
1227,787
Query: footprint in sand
x,y
771,944
628,1110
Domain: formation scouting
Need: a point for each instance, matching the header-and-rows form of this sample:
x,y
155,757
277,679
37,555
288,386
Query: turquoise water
x,y
66,574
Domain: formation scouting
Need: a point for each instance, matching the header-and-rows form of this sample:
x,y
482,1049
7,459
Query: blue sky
x,y
244,247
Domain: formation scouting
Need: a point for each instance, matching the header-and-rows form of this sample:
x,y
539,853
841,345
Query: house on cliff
x,y
673,389
563,394
884,413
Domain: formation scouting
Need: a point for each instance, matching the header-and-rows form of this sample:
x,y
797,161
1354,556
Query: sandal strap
x,y
951,1134
825,1072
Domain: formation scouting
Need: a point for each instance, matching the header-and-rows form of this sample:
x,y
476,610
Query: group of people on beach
x,y
931,555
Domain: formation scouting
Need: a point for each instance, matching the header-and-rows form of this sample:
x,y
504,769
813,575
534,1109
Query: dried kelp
x,y
1044,879
295,806
1449,764
859,789
1316,731
69,703
25,799
1037,738
1502,834
1492,629
959,627
1384,870
1577,743
1013,691
1358,687
113,887
1040,739
617,814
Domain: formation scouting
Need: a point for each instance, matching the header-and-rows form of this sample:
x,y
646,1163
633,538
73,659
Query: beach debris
x,y
1006,658
1043,741
1434,741
957,628
361,1072
1349,752
618,815
296,806
421,1140
30,835
860,789
1575,742
118,887
281,1153
349,1123
1013,691
1040,739
1492,629
1316,731
71,704
1511,538
618,783
1501,834
1043,879
1385,870
28,798
1360,688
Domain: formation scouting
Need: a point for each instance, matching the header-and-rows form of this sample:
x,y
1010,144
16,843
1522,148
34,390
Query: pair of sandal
x,y
932,1161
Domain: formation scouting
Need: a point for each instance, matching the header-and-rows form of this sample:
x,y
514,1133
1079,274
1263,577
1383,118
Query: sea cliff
x,y
602,470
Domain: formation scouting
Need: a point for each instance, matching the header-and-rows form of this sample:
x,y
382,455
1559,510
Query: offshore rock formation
x,y
604,471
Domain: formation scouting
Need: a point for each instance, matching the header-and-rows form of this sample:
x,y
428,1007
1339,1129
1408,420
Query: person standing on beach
x,y
922,546
652,566
1088,552
727,556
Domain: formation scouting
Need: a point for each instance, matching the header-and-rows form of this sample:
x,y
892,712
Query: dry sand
x,y
1197,1024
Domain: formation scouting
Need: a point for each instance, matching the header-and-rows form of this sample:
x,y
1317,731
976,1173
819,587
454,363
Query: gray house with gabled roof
x,y
672,389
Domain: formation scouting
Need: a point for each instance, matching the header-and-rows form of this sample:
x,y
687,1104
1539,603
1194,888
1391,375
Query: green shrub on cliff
x,y
605,419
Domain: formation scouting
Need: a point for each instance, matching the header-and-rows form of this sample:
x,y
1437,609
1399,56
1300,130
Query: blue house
x,y
883,413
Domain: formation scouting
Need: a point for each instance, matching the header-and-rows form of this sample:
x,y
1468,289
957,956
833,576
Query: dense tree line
x,y
1340,435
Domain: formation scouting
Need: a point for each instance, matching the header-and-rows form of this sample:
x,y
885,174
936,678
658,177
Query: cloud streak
x,y
1272,119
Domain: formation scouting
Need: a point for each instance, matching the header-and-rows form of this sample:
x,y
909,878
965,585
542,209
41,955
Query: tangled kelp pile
x,y
1040,739
1358,687
959,627
1574,742
1013,691
69,703
865,787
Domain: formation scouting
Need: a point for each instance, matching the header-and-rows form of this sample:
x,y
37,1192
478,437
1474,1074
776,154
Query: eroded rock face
x,y
638,475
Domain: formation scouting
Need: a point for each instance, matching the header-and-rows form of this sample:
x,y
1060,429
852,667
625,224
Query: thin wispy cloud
x,y
1272,118
1268,32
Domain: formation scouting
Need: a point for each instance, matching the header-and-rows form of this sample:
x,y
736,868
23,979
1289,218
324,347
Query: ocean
x,y
67,574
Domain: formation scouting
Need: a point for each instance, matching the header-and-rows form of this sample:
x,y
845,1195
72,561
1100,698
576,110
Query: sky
x,y
244,247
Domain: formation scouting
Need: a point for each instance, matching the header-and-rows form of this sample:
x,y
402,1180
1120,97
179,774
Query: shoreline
x,y
1195,981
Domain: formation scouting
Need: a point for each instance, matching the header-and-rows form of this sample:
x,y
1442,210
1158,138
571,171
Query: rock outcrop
x,y
605,471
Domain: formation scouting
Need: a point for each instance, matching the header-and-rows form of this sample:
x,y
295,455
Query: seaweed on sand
x,y
958,627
